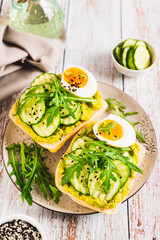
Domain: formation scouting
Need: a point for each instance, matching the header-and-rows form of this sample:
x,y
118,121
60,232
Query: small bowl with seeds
x,y
19,226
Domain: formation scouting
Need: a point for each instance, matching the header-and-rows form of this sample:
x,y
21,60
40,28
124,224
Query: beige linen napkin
x,y
21,50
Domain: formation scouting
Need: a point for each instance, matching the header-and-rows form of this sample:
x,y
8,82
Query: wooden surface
x,y
93,27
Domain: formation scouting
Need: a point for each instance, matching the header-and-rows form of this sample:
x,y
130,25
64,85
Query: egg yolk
x,y
76,77
114,134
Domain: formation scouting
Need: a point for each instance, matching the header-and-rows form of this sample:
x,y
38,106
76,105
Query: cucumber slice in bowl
x,y
141,58
125,56
117,54
140,42
96,188
67,121
130,63
41,128
30,111
129,43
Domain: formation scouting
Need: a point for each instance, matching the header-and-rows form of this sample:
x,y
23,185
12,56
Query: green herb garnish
x,y
102,159
56,99
118,109
29,168
82,75
107,128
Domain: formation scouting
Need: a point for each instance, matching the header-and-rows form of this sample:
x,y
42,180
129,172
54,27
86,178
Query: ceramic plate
x,y
13,135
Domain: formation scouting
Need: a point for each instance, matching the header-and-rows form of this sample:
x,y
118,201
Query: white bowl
x,y
26,218
134,73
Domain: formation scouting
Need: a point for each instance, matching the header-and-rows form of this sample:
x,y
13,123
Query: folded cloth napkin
x,y
21,50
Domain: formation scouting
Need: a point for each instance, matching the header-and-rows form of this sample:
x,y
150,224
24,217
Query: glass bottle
x,y
39,17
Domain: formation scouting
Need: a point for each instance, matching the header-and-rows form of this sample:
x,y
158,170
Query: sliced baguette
x,y
58,177
54,147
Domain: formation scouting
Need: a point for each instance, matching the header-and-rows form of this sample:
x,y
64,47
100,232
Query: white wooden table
x,y
93,26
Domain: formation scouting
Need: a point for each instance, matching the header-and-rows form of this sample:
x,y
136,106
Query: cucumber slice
x,y
129,43
80,142
140,42
69,161
141,58
81,183
96,188
48,87
41,128
44,78
33,89
67,121
93,147
23,95
130,59
125,56
64,112
123,171
31,112
117,54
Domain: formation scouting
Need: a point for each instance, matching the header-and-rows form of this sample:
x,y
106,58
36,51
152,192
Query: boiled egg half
x,y
79,81
115,130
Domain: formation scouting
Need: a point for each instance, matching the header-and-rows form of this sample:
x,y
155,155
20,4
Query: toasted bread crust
x,y
58,177
54,147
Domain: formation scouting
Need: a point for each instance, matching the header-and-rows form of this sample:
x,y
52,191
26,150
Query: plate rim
x,y
156,153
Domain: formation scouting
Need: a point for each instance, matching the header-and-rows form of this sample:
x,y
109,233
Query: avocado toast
x,y
81,172
51,115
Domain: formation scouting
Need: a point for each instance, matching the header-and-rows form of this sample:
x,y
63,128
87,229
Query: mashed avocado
x,y
123,192
87,111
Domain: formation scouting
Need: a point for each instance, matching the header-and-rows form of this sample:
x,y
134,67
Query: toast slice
x,y
54,147
58,177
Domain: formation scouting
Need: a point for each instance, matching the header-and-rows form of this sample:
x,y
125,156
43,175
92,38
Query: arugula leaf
x,y
22,156
118,109
27,188
79,99
106,128
31,169
117,155
53,112
106,182
55,193
68,172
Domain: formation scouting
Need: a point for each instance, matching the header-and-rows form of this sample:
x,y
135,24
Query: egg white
x,y
88,91
128,137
